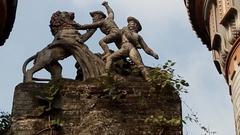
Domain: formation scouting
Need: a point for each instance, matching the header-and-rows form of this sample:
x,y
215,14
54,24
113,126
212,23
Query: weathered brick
x,y
85,109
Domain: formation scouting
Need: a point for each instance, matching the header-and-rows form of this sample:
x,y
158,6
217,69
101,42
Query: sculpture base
x,y
130,106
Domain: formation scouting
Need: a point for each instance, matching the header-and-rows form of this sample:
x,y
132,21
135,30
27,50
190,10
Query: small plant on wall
x,y
164,78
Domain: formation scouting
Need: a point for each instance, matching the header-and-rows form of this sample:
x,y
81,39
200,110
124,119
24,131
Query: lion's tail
x,y
24,67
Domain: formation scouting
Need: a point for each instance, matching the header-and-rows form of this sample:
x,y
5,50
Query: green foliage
x,y
112,89
5,122
56,124
48,97
162,120
163,78
110,86
53,125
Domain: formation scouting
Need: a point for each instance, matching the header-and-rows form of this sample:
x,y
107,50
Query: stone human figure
x,y
131,41
66,38
107,26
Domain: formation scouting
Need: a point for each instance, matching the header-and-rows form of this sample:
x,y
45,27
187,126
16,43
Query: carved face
x,y
68,15
72,15
60,20
133,26
97,17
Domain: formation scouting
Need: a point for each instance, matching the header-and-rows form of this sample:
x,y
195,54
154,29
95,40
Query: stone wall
x,y
127,107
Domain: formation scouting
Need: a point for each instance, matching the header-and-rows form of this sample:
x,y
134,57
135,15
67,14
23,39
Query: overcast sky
x,y
166,29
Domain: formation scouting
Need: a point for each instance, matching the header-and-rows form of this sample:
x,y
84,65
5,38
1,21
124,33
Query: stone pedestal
x,y
95,107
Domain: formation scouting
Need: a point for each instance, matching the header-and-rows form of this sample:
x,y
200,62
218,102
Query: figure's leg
x,y
55,70
116,55
106,40
136,58
118,43
28,76
43,59
31,71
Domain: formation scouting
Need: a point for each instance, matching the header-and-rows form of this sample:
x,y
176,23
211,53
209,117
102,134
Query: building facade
x,y
7,17
217,24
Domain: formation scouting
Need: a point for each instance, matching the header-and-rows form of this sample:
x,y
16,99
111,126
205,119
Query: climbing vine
x,y
193,118
48,99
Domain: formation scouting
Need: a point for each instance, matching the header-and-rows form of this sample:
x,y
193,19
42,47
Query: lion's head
x,y
61,20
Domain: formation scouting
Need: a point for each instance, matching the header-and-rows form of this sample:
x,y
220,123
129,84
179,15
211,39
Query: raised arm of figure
x,y
94,25
109,10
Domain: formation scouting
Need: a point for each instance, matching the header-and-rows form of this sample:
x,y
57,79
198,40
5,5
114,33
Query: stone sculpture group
x,y
68,41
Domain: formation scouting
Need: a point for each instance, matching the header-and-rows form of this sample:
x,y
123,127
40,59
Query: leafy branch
x,y
163,78
193,117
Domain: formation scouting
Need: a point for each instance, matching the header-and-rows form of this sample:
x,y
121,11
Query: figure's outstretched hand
x,y
156,56
78,26
105,3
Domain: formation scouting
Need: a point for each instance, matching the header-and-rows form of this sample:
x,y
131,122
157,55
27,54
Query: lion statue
x,y
65,34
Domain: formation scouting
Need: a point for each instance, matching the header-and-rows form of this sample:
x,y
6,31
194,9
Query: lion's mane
x,y
59,21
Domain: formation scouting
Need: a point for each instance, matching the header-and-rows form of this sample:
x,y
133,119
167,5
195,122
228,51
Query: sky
x,y
166,29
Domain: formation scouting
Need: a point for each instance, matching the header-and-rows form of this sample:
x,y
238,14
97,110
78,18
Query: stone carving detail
x,y
228,4
107,25
212,22
131,42
220,9
224,55
220,52
223,7
231,23
219,13
68,41
233,30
